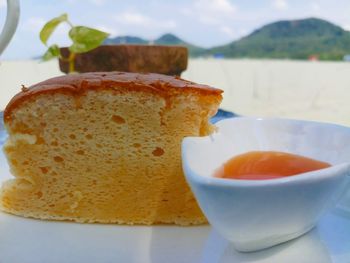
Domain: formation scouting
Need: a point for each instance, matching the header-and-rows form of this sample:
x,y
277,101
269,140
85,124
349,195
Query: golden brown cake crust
x,y
106,148
78,83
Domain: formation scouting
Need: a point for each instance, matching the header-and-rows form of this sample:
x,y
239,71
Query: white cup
x,y
11,23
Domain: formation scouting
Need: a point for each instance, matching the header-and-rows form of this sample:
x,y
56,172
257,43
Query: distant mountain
x,y
296,39
167,39
170,39
125,40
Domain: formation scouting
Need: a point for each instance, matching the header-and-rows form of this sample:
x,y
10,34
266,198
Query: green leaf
x,y
50,26
85,39
52,52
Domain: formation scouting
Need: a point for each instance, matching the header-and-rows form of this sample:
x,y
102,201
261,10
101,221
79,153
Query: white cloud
x,y
233,33
34,24
133,18
2,3
346,27
186,11
94,2
214,9
98,2
215,15
169,24
209,20
111,30
215,6
213,12
227,31
137,19
218,14
315,6
243,32
280,4
60,35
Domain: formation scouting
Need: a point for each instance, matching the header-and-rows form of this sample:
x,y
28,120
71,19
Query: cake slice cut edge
x,y
105,147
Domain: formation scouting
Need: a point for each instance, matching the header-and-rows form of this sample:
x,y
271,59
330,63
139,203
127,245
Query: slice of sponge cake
x,y
105,147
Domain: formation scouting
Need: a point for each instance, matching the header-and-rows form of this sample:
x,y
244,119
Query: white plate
x,y
33,241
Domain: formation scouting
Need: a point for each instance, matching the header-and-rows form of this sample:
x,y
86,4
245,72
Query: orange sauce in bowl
x,y
262,165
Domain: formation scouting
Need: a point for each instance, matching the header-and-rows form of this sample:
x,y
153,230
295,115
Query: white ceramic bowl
x,y
256,214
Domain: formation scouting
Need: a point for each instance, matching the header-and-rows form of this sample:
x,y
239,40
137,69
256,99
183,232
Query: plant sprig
x,y
83,39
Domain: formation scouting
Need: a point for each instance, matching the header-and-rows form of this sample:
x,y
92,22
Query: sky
x,y
204,23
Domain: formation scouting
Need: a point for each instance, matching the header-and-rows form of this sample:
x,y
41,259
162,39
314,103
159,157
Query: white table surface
x,y
33,241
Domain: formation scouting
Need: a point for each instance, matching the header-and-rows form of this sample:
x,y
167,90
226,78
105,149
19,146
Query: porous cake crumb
x,y
105,147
